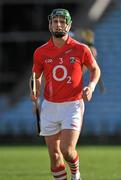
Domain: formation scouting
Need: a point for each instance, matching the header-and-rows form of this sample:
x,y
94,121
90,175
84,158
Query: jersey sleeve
x,y
88,57
37,63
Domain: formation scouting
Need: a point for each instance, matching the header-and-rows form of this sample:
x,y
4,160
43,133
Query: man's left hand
x,y
87,93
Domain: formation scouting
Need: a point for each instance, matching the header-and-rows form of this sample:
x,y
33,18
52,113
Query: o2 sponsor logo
x,y
64,76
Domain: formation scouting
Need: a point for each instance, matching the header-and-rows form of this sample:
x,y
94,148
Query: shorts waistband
x,y
66,102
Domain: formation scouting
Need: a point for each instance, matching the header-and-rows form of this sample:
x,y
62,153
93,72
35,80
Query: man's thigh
x,y
69,138
53,142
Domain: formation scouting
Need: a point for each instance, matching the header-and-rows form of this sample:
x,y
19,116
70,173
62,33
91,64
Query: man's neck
x,y
59,42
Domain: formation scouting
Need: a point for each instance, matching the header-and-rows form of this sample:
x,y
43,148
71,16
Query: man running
x,y
60,60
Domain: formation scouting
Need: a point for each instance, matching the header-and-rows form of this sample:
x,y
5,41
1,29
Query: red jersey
x,y
62,69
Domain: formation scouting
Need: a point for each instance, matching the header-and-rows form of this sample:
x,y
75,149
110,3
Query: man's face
x,y
59,25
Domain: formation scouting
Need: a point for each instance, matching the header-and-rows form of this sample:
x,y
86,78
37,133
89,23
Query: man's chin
x,y
59,34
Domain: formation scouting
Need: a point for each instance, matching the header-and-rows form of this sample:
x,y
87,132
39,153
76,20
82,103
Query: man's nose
x,y
58,23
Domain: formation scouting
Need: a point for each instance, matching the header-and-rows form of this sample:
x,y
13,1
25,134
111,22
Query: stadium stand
x,y
107,107
103,114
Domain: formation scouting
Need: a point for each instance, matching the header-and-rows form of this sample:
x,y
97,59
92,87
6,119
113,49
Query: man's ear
x,y
50,29
69,27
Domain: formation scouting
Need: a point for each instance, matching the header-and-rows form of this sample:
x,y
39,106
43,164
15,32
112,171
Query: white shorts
x,y
58,116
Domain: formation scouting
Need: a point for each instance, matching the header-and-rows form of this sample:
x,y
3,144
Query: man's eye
x,y
63,22
55,21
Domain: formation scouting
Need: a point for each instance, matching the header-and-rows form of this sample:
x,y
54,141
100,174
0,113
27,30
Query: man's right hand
x,y
32,96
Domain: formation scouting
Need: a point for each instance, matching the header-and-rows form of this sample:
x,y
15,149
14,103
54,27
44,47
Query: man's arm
x,y
38,87
94,78
88,37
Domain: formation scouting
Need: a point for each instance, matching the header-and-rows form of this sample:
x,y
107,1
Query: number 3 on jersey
x,y
63,68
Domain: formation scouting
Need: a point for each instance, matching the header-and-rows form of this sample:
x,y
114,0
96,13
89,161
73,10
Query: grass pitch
x,y
32,163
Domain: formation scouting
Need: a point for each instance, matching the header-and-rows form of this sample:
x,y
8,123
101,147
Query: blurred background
x,y
24,27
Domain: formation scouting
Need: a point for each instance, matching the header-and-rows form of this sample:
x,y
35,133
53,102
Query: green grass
x,y
32,163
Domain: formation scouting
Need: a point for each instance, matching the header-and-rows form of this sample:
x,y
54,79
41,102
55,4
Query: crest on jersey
x,y
72,60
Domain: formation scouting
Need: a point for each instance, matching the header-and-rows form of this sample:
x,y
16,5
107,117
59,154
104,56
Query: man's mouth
x,y
58,30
